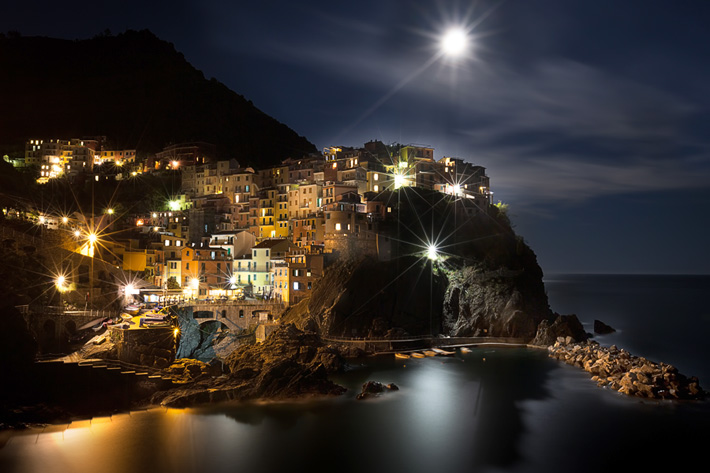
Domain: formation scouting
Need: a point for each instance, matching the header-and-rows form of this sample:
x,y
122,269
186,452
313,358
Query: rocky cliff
x,y
485,281
291,363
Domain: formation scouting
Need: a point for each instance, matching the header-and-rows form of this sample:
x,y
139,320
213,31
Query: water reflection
x,y
457,414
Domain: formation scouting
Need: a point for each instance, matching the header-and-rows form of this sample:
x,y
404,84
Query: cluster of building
x,y
242,232
58,158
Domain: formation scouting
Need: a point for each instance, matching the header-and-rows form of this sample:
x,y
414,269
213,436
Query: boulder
x,y
601,328
565,327
375,388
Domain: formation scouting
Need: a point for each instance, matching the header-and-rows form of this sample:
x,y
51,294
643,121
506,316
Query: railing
x,y
58,310
442,341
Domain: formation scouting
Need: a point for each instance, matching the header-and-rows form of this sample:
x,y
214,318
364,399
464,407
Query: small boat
x,y
439,351
132,309
416,354
402,356
465,350
429,353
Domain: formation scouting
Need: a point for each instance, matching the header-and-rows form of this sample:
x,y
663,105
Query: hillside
x,y
135,89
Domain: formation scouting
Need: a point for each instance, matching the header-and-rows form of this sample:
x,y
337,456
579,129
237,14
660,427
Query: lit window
x,y
376,177
337,227
295,285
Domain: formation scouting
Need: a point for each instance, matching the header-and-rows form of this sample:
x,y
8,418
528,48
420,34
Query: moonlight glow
x,y
454,42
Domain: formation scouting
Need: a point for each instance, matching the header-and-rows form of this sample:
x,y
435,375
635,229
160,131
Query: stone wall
x,y
153,347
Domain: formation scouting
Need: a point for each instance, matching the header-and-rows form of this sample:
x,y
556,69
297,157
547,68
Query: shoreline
x,y
204,392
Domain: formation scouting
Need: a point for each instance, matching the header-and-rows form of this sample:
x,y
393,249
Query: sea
x,y
491,410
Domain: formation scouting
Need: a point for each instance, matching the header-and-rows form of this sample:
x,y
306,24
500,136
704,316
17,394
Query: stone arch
x,y
48,342
220,327
49,328
70,327
202,314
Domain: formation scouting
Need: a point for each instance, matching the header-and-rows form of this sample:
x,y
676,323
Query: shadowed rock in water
x,y
601,328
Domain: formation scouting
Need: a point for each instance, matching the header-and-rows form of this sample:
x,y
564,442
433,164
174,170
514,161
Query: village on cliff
x,y
234,232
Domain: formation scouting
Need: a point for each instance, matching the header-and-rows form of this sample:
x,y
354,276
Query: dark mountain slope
x,y
135,89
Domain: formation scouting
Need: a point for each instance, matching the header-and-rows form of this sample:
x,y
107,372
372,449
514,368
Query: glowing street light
x,y
77,233
65,220
174,205
399,180
432,252
195,285
109,211
61,283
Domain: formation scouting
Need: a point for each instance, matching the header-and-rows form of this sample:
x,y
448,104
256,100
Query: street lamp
x,y
432,252
60,283
195,284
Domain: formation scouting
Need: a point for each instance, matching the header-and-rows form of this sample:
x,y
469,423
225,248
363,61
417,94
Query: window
x,y
167,242
187,266
295,285
309,285
267,251
337,227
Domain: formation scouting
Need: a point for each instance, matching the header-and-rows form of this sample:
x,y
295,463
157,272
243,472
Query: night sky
x,y
592,117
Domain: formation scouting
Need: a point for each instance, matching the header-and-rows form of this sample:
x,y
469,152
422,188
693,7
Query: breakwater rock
x,y
632,375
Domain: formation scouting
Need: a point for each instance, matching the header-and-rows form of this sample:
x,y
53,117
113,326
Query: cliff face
x,y
507,301
493,303
487,282
369,298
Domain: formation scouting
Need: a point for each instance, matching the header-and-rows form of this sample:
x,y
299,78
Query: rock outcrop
x,y
495,303
562,326
486,282
289,364
628,374
601,328
374,389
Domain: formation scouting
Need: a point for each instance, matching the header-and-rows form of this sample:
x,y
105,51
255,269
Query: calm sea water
x,y
490,410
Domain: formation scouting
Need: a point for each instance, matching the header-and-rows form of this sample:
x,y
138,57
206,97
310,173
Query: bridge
x,y
235,315
54,326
